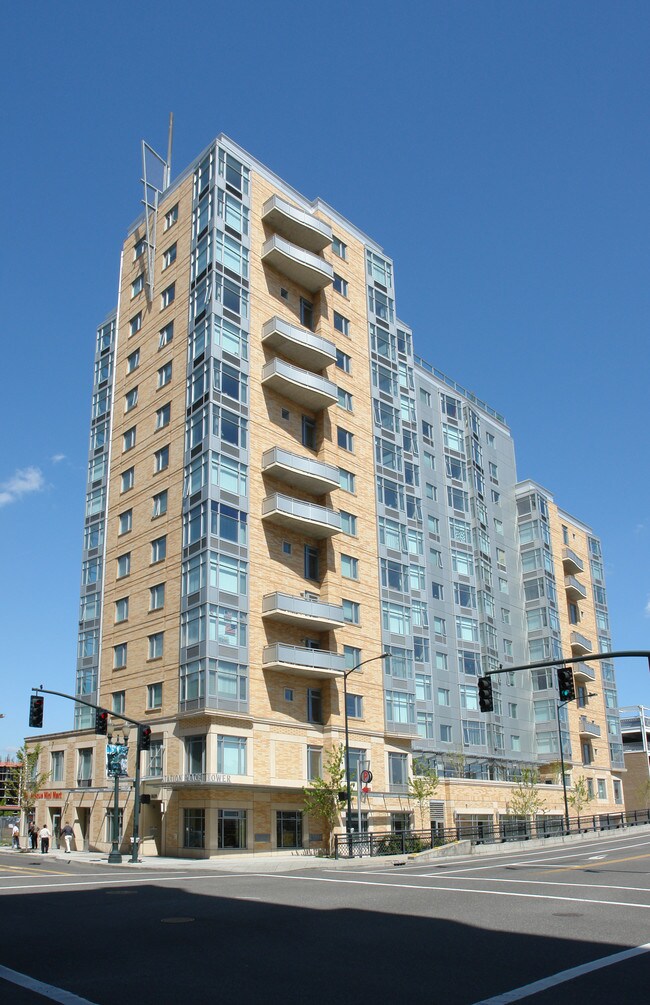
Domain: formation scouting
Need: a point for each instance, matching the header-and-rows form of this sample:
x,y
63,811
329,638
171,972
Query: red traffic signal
x,y
101,722
36,705
145,737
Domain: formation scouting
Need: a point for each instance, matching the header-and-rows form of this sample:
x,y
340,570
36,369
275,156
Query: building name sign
x,y
196,779
48,795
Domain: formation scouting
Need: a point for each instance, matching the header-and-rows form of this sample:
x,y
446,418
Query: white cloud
x,y
57,458
22,482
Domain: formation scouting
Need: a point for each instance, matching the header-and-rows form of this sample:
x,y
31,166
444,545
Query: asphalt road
x,y
457,932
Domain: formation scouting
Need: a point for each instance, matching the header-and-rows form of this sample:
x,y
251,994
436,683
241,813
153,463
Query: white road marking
x,y
564,975
453,889
46,990
592,858
123,882
528,882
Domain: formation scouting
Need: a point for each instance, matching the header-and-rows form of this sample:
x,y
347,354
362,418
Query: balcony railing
x,y
304,517
586,728
308,389
301,472
582,671
307,270
300,611
297,225
581,644
574,588
299,345
302,661
572,562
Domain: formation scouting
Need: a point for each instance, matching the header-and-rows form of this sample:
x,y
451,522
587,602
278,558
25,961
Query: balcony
x,y
318,663
299,611
586,728
574,588
572,563
303,517
308,389
581,671
307,270
297,225
580,645
299,345
303,473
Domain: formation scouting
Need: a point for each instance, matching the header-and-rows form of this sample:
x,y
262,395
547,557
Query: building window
x,y
163,416
139,248
352,657
154,694
193,828
354,706
159,549
314,705
171,216
165,335
397,770
345,399
231,755
351,612
118,702
232,829
164,374
288,829
122,609
84,768
128,439
311,563
124,565
308,433
340,285
130,399
156,597
119,656
306,314
133,361
341,324
125,522
56,774
156,646
343,361
346,480
349,567
169,257
339,248
314,763
159,504
161,459
168,296
127,479
137,285
345,439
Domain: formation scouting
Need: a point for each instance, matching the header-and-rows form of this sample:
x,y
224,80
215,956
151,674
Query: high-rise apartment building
x,y
279,490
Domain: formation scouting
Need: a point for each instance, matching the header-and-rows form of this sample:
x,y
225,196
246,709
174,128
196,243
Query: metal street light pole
x,y
348,791
559,733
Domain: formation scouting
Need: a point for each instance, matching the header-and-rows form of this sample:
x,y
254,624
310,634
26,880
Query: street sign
x,y
366,777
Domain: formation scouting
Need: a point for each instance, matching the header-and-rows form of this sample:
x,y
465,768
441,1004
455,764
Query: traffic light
x,y
565,683
145,737
101,722
36,704
485,699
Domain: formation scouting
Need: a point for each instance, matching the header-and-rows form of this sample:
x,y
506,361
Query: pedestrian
x,y
44,835
32,836
15,837
68,835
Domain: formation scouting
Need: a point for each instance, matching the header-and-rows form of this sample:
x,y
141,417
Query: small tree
x,y
525,798
422,785
325,797
580,795
24,780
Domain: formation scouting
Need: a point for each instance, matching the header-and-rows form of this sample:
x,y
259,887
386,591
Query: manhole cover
x,y
176,921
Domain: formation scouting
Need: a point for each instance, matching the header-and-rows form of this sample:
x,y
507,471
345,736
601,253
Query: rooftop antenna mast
x,y
156,177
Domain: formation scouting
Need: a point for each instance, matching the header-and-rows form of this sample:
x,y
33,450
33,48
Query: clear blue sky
x,y
499,151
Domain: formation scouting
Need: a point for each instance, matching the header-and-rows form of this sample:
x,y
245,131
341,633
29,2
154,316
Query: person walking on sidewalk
x,y
67,834
44,835
15,837
32,836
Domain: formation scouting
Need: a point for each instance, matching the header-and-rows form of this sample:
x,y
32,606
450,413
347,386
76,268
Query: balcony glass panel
x,y
302,661
308,389
298,344
308,518
304,473
297,225
301,266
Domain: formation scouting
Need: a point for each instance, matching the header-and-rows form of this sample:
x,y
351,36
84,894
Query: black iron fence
x,y
482,832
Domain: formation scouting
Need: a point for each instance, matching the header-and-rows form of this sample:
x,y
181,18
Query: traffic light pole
x,y
559,733
572,659
136,780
